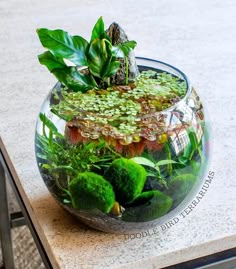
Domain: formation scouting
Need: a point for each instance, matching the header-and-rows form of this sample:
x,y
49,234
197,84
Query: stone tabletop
x,y
199,37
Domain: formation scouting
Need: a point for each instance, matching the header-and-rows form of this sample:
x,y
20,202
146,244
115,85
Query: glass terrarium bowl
x,y
120,161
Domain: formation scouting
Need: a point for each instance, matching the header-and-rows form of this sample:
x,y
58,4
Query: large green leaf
x,y
62,45
112,69
50,61
67,75
98,30
99,57
74,80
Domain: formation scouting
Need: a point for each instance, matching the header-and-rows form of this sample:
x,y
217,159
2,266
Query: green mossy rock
x,y
143,198
127,178
179,187
90,191
155,205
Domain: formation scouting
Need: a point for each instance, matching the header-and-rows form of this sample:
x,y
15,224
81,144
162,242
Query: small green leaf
x,y
122,50
165,162
98,30
182,160
62,45
143,161
65,167
48,123
41,156
187,151
46,166
50,61
151,174
66,201
193,140
61,115
193,143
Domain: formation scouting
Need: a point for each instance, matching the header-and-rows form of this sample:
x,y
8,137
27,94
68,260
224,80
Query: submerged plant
x,y
55,153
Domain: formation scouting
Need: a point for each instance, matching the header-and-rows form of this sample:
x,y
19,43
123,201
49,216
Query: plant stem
x,y
168,153
109,81
44,130
115,153
126,70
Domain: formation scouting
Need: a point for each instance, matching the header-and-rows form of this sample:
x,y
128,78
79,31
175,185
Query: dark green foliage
x,y
180,186
63,160
127,178
101,62
155,204
191,160
192,149
192,167
67,75
89,191
63,45
143,198
51,61
99,56
178,177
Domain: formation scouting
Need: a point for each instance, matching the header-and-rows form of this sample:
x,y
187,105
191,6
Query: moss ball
x,y
148,206
90,191
143,198
179,187
127,178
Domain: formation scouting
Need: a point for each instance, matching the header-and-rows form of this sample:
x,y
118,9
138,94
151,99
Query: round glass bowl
x,y
127,158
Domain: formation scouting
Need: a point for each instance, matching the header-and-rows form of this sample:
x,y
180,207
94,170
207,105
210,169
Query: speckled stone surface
x,y
199,37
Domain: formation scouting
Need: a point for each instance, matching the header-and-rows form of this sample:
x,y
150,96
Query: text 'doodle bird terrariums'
x,y
120,141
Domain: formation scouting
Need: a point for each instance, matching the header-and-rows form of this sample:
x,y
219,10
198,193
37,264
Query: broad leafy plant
x,y
156,167
98,57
